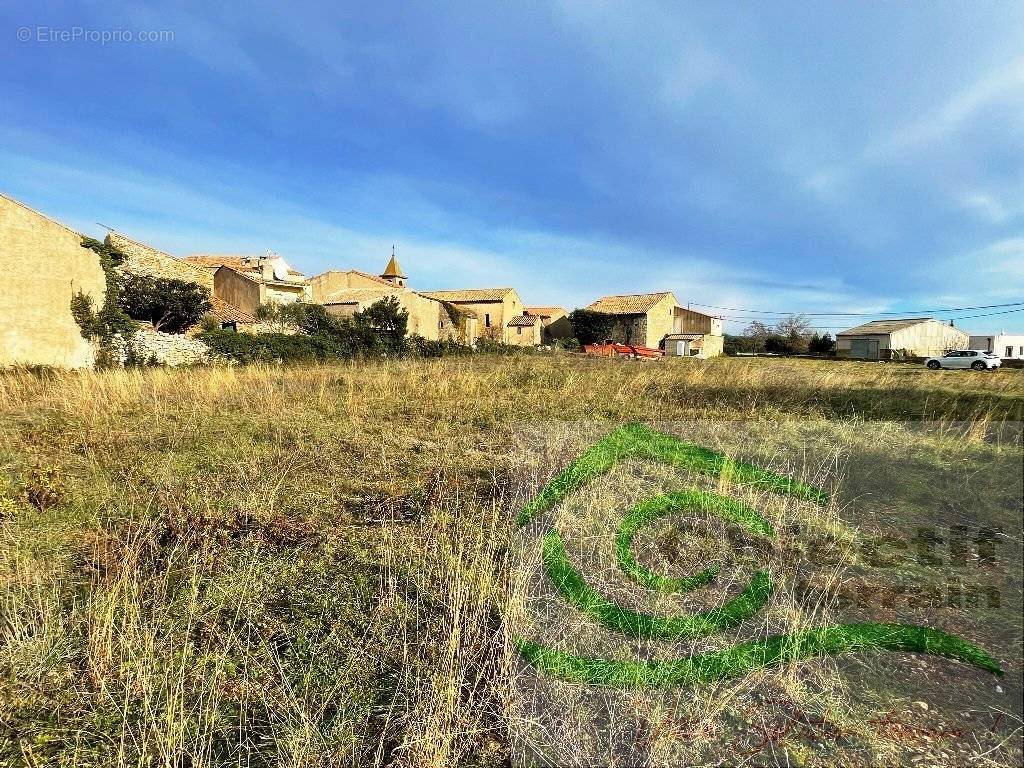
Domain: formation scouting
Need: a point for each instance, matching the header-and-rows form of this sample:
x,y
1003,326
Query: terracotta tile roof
x,y
524,320
634,304
227,313
885,326
684,336
358,295
546,311
367,275
469,294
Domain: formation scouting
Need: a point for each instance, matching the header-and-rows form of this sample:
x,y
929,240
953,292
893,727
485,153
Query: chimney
x,y
267,269
950,323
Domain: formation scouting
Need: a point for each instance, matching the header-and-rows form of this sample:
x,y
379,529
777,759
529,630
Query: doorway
x,y
864,349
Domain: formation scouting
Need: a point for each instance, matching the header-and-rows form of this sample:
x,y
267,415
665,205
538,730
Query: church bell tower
x,y
393,273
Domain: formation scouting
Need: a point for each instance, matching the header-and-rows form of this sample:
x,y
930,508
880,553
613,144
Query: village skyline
x,y
977,319
568,152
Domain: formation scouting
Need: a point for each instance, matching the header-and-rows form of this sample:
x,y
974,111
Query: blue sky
x,y
854,157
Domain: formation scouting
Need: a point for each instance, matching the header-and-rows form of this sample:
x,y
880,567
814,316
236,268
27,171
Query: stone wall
x,y
44,266
323,285
168,348
145,260
629,329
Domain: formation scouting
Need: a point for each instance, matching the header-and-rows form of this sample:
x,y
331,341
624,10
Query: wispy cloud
x,y
567,149
1000,86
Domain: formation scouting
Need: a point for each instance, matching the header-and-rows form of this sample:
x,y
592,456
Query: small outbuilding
x,y
555,321
1008,346
899,339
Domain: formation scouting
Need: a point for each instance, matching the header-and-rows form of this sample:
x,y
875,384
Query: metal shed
x,y
899,338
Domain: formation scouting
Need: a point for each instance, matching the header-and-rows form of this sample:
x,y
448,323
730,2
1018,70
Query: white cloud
x,y
992,88
986,207
696,68
999,86
993,272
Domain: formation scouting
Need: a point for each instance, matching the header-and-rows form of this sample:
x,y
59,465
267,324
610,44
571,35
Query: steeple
x,y
392,272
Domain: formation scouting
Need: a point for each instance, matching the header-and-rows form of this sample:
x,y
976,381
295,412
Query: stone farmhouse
x,y
494,309
346,292
44,266
145,260
247,282
656,320
695,334
539,325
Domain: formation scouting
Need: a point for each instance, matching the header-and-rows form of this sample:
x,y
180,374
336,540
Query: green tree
x,y
590,327
384,319
169,304
821,345
793,334
297,316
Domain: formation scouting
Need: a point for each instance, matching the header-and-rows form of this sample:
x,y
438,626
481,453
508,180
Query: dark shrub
x,y
591,327
169,305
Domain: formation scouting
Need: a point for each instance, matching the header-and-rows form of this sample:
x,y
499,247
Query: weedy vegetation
x,y
324,564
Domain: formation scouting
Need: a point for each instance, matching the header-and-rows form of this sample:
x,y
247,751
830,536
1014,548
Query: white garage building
x,y
898,339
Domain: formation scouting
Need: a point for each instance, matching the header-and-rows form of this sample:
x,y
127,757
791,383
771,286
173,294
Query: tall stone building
x,y
642,319
656,320
494,309
345,292
44,266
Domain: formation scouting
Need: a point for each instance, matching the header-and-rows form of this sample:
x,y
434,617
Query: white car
x,y
978,359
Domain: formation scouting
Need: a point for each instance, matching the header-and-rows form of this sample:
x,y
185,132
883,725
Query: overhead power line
x,y
792,314
908,312
735,318
988,314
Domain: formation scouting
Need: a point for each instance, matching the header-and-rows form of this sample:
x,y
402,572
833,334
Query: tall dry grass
x,y
315,566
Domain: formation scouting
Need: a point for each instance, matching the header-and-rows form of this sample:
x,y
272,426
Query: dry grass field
x,y
318,566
